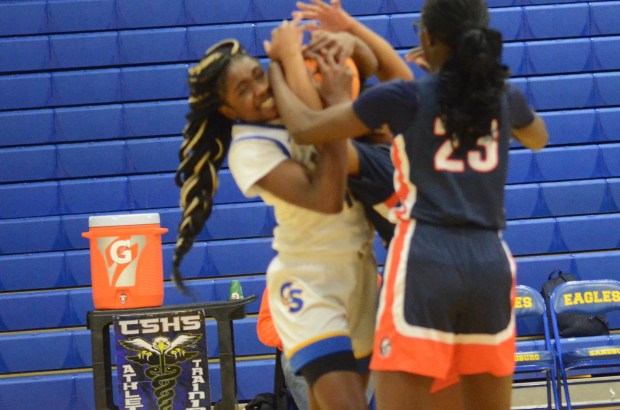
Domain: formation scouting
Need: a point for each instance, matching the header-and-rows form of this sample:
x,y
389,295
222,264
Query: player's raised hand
x,y
331,17
322,41
286,39
336,82
416,56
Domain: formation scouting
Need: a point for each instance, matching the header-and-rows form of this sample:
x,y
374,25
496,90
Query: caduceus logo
x,y
161,357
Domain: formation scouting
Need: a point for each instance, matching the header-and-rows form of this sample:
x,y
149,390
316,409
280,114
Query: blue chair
x,y
591,297
534,356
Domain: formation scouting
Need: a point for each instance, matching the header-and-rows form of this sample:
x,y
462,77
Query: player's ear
x,y
227,112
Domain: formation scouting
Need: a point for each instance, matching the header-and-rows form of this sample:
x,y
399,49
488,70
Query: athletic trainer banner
x,y
162,361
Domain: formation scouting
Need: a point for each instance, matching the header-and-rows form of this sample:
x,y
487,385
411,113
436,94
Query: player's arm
x,y
533,136
527,127
322,41
333,17
320,190
308,126
286,47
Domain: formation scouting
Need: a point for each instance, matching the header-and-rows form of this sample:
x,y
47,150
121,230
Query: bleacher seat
x,y
589,297
84,50
538,356
558,21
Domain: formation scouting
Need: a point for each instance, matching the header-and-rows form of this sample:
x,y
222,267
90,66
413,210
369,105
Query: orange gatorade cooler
x,y
126,261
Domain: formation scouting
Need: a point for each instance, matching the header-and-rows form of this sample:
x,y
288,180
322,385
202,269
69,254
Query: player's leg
x,y
400,390
487,392
339,390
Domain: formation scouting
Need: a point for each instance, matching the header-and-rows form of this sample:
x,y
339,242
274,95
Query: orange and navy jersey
x,y
436,181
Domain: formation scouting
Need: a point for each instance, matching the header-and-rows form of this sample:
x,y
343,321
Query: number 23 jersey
x,y
436,182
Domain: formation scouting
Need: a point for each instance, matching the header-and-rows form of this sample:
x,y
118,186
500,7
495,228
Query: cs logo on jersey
x,y
291,297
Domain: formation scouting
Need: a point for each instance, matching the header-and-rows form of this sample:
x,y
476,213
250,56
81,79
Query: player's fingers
x,y
336,4
296,19
267,46
310,27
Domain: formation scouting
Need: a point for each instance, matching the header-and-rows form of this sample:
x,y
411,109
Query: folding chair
x,y
529,303
591,297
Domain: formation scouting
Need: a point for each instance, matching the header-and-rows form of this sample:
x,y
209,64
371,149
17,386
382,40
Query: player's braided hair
x,y
206,138
473,79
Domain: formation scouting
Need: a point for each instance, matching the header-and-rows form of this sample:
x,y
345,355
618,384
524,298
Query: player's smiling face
x,y
246,92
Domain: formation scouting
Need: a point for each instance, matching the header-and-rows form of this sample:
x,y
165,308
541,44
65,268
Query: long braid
x,y
206,138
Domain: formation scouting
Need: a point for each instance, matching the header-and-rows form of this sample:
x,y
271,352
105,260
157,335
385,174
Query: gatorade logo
x,y
121,256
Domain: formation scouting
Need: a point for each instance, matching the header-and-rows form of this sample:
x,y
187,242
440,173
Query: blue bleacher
x,y
92,108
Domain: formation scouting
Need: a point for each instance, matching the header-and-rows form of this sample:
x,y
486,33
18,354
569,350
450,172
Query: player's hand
x,y
416,56
322,42
286,40
336,78
331,17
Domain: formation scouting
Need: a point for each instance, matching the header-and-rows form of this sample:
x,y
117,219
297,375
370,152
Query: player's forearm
x,y
329,178
299,81
390,65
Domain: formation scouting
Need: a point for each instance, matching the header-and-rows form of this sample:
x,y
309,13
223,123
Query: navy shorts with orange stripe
x,y
446,306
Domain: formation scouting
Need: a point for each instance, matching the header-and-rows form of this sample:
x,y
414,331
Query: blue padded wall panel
x,y
24,54
560,92
403,6
25,91
530,237
23,393
402,33
33,199
92,159
604,17
155,118
154,82
571,127
253,219
598,265
86,87
27,164
228,191
28,310
564,163
558,21
153,191
521,167
609,120
26,127
533,270
607,86
89,123
521,201
84,50
514,57
23,17
77,268
605,53
16,353
95,195
357,8
508,21
575,197
153,46
81,15
202,38
33,271
614,191
611,157
31,235
279,10
588,233
218,12
559,56
153,154
160,13
223,258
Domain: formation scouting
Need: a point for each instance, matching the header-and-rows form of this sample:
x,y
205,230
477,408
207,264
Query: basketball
x,y
312,67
